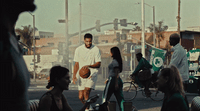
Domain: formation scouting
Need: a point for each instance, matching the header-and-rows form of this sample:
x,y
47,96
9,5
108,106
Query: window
x,y
129,37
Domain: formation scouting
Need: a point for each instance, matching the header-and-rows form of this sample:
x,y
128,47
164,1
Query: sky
x,y
48,13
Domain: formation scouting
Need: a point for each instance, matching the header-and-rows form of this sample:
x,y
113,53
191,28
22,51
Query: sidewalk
x,y
40,84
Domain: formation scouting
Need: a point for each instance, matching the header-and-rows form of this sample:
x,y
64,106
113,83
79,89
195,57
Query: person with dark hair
x,y
144,75
86,56
54,100
14,79
179,57
114,83
170,83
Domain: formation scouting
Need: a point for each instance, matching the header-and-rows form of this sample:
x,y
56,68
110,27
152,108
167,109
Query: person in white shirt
x,y
87,56
179,57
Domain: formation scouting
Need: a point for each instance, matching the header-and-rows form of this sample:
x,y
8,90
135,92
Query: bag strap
x,y
42,97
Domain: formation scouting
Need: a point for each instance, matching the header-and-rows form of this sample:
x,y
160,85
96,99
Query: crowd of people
x,y
169,80
14,78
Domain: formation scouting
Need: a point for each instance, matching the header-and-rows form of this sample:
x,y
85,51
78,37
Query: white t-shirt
x,y
87,56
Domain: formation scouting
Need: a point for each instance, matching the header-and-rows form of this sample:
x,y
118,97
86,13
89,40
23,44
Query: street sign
x,y
139,46
132,51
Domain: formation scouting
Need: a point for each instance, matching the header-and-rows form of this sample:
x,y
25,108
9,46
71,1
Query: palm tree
x,y
137,28
159,30
26,35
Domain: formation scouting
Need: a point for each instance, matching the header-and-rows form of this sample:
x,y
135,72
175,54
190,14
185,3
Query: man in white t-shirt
x,y
87,56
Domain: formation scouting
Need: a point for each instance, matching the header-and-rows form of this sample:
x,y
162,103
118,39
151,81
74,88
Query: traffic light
x,y
98,26
115,22
38,58
60,48
123,36
118,37
95,40
123,22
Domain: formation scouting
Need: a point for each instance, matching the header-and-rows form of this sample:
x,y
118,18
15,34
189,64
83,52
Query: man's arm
x,y
96,65
76,67
176,58
139,67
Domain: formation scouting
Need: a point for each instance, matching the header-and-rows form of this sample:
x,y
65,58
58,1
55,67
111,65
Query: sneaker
x,y
91,108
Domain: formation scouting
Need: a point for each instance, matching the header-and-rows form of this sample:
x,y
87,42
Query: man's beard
x,y
88,47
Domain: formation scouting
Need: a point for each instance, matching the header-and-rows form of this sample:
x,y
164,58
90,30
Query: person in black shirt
x,y
54,100
170,83
14,75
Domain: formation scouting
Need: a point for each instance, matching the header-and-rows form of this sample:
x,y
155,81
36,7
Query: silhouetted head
x,y
139,56
59,77
174,39
169,80
17,6
88,40
10,10
115,54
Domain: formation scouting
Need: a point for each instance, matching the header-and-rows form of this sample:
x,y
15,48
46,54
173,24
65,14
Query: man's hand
x,y
90,77
85,67
74,80
106,81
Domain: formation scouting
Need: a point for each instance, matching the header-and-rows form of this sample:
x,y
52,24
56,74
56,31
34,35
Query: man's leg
x,y
81,87
87,93
81,96
146,89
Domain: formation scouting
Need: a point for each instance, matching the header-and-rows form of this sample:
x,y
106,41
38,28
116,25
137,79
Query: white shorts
x,y
89,83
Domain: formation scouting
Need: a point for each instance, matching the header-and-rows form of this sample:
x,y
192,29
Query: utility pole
x,y
154,30
67,35
80,26
178,17
34,44
34,74
143,30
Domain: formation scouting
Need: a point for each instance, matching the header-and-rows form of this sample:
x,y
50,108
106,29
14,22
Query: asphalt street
x,y
140,102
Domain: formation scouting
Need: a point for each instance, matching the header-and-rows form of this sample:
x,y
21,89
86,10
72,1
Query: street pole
x,y
66,27
34,74
34,45
154,30
143,29
131,66
134,59
178,17
80,26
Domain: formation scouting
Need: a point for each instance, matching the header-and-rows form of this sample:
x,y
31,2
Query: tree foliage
x,y
137,28
159,30
26,35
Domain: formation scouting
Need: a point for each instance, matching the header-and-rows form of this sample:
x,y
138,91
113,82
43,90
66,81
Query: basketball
x,y
84,73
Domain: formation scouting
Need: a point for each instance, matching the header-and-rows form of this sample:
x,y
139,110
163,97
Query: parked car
x,y
44,73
